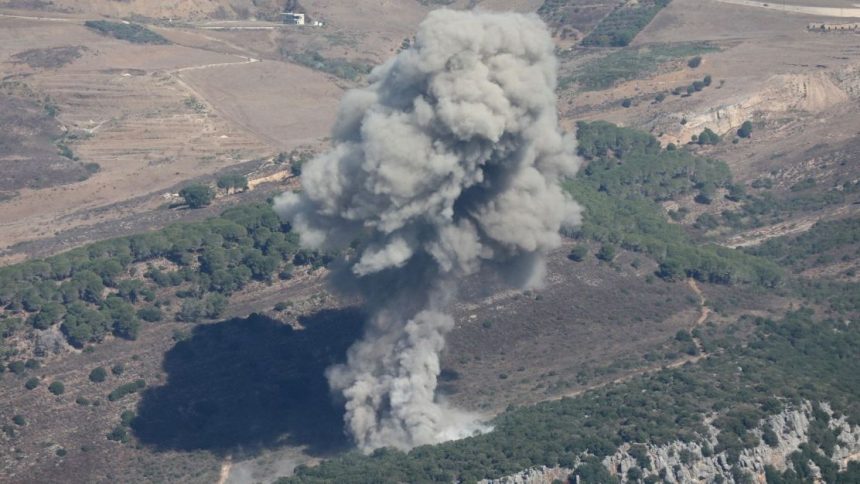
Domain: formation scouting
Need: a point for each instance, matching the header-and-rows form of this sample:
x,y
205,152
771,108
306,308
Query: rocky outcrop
x,y
684,462
536,475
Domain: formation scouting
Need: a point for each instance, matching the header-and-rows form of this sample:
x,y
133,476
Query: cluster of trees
x,y
233,182
627,173
620,27
131,32
707,137
786,362
98,289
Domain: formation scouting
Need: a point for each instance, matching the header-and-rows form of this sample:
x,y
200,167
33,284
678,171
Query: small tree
x,y
695,62
708,137
57,388
197,195
118,369
626,103
31,383
98,375
745,130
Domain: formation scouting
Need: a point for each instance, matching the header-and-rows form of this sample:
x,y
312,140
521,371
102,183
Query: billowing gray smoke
x,y
450,160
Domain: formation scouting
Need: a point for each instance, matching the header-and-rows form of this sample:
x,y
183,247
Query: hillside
x,y
698,325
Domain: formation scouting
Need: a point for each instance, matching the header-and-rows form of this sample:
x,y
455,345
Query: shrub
x,y
98,375
126,417
745,130
118,434
17,367
118,369
626,103
150,314
19,420
695,62
126,389
57,388
31,383
606,252
578,253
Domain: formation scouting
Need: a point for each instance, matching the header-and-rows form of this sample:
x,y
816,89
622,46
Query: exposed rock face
x,y
536,475
780,94
680,462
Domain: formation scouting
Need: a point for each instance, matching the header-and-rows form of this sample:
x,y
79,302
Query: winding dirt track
x,y
704,312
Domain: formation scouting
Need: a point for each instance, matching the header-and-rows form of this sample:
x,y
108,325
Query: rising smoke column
x,y
449,161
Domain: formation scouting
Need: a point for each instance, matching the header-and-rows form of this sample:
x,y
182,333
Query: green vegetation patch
x,y
131,32
626,175
630,63
96,289
343,68
620,27
786,362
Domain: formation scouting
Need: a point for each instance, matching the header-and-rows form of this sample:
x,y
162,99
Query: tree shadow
x,y
247,384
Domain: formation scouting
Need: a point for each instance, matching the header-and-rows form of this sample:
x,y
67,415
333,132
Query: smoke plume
x,y
448,161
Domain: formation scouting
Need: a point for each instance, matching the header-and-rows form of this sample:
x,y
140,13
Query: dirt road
x,y
800,9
